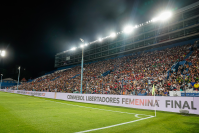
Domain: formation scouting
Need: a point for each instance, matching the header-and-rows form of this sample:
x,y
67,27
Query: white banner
x,y
32,93
163,103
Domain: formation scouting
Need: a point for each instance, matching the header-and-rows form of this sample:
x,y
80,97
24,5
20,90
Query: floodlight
x,y
86,44
165,15
74,48
100,39
112,34
136,26
3,53
155,19
82,45
128,29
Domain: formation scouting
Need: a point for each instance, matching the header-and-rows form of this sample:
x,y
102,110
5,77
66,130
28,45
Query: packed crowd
x,y
186,77
129,75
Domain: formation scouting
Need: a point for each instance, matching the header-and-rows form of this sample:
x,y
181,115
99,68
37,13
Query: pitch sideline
x,y
95,129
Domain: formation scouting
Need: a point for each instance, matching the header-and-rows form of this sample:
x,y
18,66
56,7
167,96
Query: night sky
x,y
33,32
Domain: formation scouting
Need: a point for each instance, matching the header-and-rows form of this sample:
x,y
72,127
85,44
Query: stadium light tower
x,y
82,46
18,77
1,79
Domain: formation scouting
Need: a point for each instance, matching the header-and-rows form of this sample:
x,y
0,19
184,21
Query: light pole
x,y
2,54
82,66
1,80
18,77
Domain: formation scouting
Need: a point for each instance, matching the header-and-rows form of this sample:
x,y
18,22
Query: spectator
x,y
196,85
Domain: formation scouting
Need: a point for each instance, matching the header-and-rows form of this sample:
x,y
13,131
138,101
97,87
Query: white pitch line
x,y
131,113
136,115
114,125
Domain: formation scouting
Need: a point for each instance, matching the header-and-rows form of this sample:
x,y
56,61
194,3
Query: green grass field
x,y
24,114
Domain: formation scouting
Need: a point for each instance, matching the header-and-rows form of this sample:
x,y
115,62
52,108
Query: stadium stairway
x,y
184,61
41,80
176,66
106,73
188,55
55,78
189,63
75,76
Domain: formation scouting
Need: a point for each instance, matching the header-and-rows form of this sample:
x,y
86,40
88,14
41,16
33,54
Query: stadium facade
x,y
183,26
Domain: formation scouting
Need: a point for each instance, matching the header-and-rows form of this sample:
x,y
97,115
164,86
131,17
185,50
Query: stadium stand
x,y
132,74
8,82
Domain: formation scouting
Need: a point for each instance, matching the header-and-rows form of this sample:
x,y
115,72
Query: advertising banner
x,y
162,103
32,93
36,93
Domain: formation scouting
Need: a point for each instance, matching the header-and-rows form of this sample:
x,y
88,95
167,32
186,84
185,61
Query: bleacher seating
x,y
131,74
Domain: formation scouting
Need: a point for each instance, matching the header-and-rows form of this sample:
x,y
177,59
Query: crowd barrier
x,y
162,103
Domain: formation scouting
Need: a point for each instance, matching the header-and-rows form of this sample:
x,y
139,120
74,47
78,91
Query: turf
x,y
19,113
